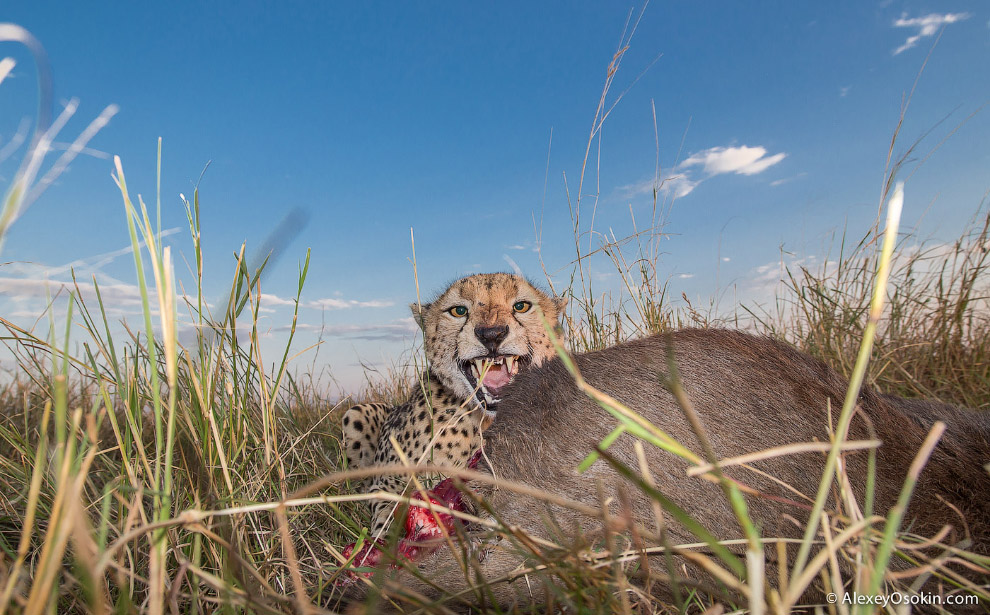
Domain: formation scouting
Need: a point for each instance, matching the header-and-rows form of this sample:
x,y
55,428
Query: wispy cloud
x,y
530,246
96,263
926,26
741,160
784,180
26,289
398,330
328,303
22,289
679,185
84,268
268,300
674,185
6,66
26,299
340,304
764,283
30,285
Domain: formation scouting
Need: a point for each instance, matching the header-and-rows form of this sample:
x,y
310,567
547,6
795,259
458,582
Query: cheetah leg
x,y
362,426
381,512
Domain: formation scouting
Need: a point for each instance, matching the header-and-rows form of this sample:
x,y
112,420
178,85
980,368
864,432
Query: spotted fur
x,y
441,424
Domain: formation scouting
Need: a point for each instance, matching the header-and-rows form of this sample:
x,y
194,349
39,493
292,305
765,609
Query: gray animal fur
x,y
751,394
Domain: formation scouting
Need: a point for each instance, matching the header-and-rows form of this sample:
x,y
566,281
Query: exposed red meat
x,y
423,532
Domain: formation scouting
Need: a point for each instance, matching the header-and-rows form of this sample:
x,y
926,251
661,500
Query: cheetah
x,y
478,334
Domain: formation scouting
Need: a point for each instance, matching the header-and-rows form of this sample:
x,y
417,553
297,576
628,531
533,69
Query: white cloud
x,y
328,303
397,330
26,300
340,304
784,180
6,65
26,288
84,268
926,26
676,185
742,160
269,300
766,284
844,90
638,188
113,294
685,276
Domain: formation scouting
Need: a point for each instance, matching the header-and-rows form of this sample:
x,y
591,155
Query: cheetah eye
x,y
521,307
458,311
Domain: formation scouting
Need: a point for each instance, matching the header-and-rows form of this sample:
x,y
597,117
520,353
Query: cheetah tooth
x,y
510,363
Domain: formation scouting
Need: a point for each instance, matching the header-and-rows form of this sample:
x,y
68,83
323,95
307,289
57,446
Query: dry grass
x,y
934,340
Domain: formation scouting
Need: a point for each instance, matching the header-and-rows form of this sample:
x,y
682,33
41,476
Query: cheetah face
x,y
483,330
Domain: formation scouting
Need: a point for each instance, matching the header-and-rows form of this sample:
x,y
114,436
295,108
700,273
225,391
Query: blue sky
x,y
374,118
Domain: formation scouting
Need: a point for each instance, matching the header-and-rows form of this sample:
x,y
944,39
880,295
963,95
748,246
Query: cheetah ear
x,y
418,310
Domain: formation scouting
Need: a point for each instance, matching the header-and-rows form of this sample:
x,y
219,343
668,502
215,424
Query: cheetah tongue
x,y
496,378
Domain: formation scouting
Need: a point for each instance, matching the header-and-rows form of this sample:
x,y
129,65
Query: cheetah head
x,y
484,329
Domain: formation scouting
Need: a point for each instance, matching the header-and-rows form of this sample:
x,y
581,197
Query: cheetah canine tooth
x,y
481,365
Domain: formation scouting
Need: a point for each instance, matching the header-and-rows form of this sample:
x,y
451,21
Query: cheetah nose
x,y
491,337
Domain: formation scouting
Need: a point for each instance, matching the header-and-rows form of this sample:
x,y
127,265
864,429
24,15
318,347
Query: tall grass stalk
x,y
161,266
894,207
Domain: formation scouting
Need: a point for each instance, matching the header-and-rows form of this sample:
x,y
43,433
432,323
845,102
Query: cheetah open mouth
x,y
492,374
